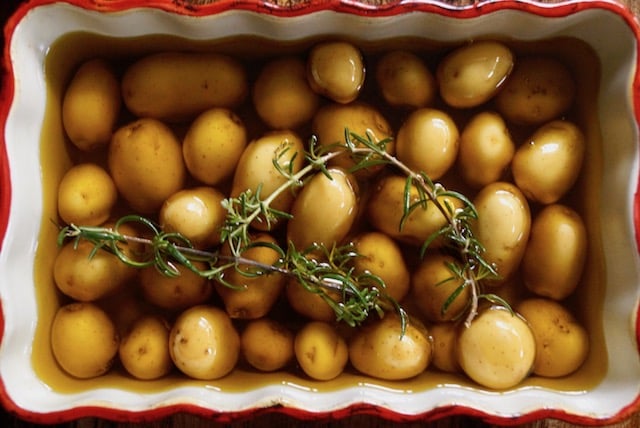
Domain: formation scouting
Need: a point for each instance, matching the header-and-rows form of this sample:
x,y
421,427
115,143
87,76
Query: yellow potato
x,y
562,343
282,96
86,195
472,74
336,70
538,90
548,164
213,145
175,293
144,350
321,352
444,336
556,253
177,86
404,80
91,105
267,344
486,149
84,340
308,304
145,162
428,141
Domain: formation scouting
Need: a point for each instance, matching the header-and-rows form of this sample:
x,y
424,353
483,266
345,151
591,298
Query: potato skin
x,y
267,344
320,350
404,80
177,293
336,70
177,86
444,336
144,350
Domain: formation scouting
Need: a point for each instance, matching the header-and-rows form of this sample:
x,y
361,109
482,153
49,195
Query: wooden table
x,y
283,421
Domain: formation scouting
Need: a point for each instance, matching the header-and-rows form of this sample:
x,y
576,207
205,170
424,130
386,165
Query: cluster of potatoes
x,y
172,135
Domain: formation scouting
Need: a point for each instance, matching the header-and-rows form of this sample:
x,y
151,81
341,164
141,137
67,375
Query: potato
x,y
538,90
562,344
308,304
444,336
257,294
256,170
548,164
472,74
145,162
498,349
175,293
382,256
144,350
556,254
336,70
267,344
86,195
404,80
503,227
433,283
381,350
84,340
486,149
282,96
321,352
195,213
428,141
385,210
312,223
213,145
91,105
178,86
203,343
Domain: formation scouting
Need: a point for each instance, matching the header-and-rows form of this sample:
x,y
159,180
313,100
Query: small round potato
x,y
404,80
548,164
336,70
84,340
472,74
282,96
175,293
86,195
444,336
308,304
321,352
144,350
203,343
556,253
538,90
562,344
91,105
486,150
145,162
498,349
267,344
213,145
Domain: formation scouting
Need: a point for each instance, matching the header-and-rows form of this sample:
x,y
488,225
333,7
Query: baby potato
x,y
267,344
538,90
282,96
213,145
324,210
178,86
472,74
86,195
145,162
196,213
498,349
256,294
556,252
385,210
321,352
382,256
84,340
404,80
444,336
548,164
175,293
203,343
256,170
503,226
91,105
428,141
144,350
381,350
486,149
432,285
336,70
562,344
308,304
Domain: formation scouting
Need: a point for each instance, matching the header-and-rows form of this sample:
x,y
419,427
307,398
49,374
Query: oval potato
x,y
336,70
404,80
